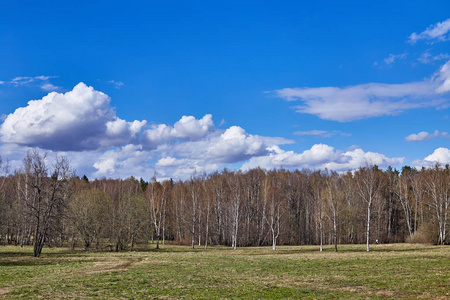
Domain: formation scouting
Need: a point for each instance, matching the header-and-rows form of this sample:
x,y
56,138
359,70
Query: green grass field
x,y
399,271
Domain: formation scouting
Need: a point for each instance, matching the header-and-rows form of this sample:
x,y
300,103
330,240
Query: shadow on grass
x,y
13,252
52,253
25,263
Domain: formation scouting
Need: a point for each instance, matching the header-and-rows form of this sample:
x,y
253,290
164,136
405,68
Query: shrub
x,y
425,234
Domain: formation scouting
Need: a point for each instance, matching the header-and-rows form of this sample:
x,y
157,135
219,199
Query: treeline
x,y
44,203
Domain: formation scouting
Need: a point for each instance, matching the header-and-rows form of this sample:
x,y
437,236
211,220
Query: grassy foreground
x,y
399,271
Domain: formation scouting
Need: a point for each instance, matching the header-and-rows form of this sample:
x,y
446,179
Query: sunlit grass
x,y
401,271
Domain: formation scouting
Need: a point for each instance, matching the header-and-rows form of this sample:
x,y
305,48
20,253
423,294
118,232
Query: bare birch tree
x,y
437,182
368,184
157,195
234,183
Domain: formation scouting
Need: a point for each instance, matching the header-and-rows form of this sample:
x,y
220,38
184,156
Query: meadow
x,y
395,271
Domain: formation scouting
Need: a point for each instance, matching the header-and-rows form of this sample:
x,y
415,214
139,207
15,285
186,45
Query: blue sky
x,y
129,88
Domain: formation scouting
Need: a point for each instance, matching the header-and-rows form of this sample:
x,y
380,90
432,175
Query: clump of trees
x,y
45,203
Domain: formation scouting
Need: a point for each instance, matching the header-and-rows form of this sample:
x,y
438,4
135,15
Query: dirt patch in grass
x,y
4,291
100,267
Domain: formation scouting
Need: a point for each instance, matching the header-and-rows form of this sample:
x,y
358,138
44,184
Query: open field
x,y
400,271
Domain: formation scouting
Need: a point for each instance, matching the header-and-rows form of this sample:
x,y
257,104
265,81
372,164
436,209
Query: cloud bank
x,y
321,156
82,125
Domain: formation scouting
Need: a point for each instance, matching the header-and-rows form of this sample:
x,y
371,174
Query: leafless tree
x,y
157,197
437,182
45,195
89,213
336,197
234,183
368,182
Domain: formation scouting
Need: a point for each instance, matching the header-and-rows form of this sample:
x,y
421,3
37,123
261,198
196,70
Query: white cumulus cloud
x,y
81,119
129,160
170,162
439,156
170,167
229,146
187,128
218,147
424,136
235,145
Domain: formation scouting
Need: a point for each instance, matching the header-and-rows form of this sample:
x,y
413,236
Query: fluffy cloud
x,y
438,31
190,145
134,160
320,156
235,145
371,99
229,146
424,136
214,151
187,128
129,160
198,139
81,119
439,156
170,162
14,154
170,167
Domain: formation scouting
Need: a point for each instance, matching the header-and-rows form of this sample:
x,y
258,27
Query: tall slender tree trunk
x,y
193,231
335,231
206,234
321,235
274,241
368,225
